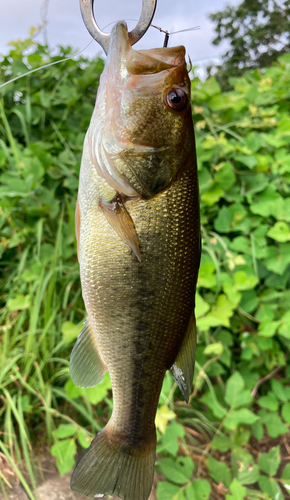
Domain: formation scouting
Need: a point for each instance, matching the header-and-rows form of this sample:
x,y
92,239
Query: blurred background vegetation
x,y
232,441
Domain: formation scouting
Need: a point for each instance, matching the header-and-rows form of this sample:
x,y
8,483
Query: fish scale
x,y
161,281
139,259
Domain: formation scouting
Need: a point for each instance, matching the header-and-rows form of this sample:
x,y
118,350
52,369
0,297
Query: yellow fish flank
x,y
138,232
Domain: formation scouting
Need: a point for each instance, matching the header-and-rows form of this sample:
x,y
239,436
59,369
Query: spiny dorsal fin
x,y
86,368
121,221
183,367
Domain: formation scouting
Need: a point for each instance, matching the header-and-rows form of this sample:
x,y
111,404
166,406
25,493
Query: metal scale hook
x,y
147,13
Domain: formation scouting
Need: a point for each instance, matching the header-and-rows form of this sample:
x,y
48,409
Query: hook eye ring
x,y
147,13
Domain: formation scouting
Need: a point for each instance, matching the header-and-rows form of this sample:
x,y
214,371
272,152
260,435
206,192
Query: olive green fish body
x,y
139,249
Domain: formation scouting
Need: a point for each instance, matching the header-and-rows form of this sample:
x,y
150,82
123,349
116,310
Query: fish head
x,y
142,132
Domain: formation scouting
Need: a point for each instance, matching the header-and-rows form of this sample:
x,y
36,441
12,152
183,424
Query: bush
x,y
232,438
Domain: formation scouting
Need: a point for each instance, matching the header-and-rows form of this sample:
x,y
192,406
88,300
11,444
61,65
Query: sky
x,y
65,25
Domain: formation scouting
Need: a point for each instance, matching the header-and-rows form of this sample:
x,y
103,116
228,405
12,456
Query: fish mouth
x,y
140,62
120,145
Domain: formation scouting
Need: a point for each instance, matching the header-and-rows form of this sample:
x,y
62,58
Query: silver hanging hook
x,y
147,13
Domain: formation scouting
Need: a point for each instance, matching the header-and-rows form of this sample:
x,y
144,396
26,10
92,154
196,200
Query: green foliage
x,y
43,120
243,285
258,32
241,393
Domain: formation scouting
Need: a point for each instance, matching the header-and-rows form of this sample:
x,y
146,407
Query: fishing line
x,y
54,62
167,34
44,66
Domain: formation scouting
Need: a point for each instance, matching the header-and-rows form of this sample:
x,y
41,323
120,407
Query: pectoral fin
x,y
86,368
183,367
121,221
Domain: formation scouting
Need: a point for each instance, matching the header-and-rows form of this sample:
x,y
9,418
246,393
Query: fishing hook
x,y
147,13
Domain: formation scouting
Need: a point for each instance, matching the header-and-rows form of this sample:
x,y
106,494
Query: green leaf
x,y
19,303
269,402
33,167
244,282
279,391
215,349
232,294
64,451
235,385
72,390
222,223
65,430
258,430
211,87
269,462
238,491
169,441
178,471
225,176
268,329
278,258
84,439
226,357
284,328
212,195
286,412
162,418
211,401
70,331
206,278
250,160
168,491
244,467
221,443
267,201
286,477
243,416
274,424
279,232
223,310
235,396
201,307
98,393
271,487
225,338
199,489
249,301
248,473
219,471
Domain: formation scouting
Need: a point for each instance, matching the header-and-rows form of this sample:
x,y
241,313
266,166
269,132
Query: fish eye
x,y
176,99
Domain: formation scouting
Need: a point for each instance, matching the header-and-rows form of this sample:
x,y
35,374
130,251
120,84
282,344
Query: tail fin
x,y
106,469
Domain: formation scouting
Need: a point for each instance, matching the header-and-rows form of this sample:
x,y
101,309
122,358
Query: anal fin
x,y
183,366
121,221
86,367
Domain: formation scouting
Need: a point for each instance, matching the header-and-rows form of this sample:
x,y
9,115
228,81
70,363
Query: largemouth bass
x,y
138,233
